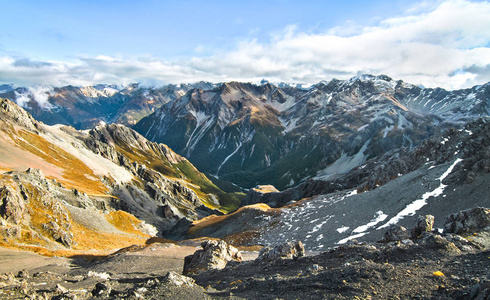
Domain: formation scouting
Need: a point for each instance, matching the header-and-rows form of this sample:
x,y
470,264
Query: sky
x,y
435,43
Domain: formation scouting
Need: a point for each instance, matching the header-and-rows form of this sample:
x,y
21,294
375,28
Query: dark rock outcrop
x,y
471,220
424,224
396,233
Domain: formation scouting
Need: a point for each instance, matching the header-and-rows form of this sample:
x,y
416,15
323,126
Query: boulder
x,y
214,255
424,224
470,220
396,233
288,250
12,205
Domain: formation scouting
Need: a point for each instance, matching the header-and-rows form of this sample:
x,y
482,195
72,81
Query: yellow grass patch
x,y
214,219
5,169
264,189
75,175
125,222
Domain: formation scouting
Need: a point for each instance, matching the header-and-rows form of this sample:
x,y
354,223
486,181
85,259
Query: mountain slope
x,y
444,173
265,134
95,174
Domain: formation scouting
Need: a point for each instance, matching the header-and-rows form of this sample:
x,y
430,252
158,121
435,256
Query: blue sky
x,y
430,42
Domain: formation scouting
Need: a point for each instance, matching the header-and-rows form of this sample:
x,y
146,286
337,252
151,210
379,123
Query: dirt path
x,y
13,261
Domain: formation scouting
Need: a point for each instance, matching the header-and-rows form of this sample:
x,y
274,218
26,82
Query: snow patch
x,y
379,218
345,163
413,207
355,236
227,158
403,122
342,229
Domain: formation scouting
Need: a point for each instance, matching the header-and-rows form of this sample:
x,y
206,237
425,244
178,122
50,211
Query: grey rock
x,y
288,250
396,233
102,289
437,242
214,255
177,279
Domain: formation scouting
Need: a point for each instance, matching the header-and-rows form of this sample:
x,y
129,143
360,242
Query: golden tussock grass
x,y
214,219
86,241
5,169
124,222
76,174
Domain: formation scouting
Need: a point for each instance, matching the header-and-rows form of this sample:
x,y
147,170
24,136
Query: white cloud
x,y
437,43
40,94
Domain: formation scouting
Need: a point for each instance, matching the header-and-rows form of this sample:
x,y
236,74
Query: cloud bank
x,y
446,45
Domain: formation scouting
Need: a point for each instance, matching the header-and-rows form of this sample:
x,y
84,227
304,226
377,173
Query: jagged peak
x,y
11,111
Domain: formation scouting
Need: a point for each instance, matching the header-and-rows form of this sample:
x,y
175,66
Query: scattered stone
x,y
23,274
396,233
102,289
424,224
214,255
474,291
103,276
288,250
177,279
437,242
61,289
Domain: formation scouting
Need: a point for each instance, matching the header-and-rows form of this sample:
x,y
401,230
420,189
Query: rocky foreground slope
x,y
407,264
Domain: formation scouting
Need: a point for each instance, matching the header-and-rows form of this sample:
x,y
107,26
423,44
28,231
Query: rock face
x,y
11,111
214,255
288,250
31,209
471,143
471,220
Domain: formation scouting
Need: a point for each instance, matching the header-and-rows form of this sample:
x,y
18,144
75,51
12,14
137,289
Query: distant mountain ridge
x,y
85,107
266,134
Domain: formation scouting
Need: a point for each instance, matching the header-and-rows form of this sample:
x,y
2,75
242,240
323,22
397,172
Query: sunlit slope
x,y
64,189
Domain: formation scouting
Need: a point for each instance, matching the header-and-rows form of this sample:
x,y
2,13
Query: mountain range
x,y
85,107
281,135
325,164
